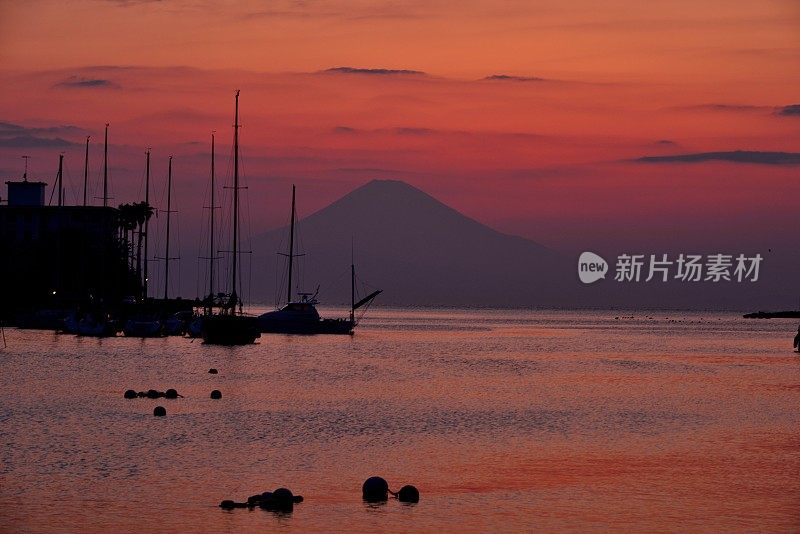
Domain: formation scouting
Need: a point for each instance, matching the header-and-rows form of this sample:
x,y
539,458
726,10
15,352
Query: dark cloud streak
x,y
736,156
374,72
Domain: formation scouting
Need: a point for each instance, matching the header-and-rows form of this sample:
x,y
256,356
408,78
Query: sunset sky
x,y
531,117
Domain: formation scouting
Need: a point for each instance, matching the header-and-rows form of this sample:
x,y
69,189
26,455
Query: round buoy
x,y
153,394
212,371
280,500
408,494
130,394
171,394
159,411
227,505
216,394
254,499
375,489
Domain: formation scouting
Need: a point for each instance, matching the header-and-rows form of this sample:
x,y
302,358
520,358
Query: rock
x,y
130,394
408,494
216,394
159,411
375,489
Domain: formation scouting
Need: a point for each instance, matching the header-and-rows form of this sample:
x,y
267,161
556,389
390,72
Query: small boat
x,y
229,326
176,324
93,325
301,316
143,328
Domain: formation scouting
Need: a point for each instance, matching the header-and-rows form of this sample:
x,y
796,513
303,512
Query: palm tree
x,y
142,212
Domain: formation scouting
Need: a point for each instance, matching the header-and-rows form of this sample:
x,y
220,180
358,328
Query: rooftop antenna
x,y
25,174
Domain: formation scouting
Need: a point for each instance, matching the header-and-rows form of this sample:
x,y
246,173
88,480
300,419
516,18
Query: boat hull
x,y
134,328
321,326
230,330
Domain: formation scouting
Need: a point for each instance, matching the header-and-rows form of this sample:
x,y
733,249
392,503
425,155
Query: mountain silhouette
x,y
417,249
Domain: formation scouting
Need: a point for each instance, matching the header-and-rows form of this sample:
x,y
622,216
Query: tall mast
x,y
86,171
169,212
60,180
352,292
105,169
211,230
291,252
147,220
234,264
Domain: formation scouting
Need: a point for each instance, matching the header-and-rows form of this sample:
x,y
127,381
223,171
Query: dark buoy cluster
x,y
216,394
159,411
376,489
408,493
280,500
152,394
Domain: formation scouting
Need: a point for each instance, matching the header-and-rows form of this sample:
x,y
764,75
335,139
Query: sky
x,y
578,124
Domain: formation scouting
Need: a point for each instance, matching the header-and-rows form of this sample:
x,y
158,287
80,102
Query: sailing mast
x,y
211,234
105,169
60,180
86,171
291,252
147,219
234,299
169,211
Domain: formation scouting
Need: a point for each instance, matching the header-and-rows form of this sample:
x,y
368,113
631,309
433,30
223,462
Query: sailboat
x,y
300,316
144,324
194,328
229,326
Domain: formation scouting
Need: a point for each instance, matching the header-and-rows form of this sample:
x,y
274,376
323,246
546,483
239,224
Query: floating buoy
x,y
255,499
216,394
408,494
159,411
227,505
171,394
280,500
130,394
375,489
141,394
153,394
212,371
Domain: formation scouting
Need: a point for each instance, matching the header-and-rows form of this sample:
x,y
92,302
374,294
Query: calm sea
x,y
504,420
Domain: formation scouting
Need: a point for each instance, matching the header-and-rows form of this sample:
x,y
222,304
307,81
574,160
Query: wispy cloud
x,y
510,78
735,108
792,110
417,131
736,156
79,82
29,141
18,136
374,72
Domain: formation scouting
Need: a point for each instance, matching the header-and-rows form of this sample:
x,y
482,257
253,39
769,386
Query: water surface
x,y
512,420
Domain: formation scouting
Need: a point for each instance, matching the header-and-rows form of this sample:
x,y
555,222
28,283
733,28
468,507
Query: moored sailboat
x,y
300,316
229,326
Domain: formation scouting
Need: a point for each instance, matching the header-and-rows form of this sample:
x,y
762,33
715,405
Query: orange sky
x,y
545,152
